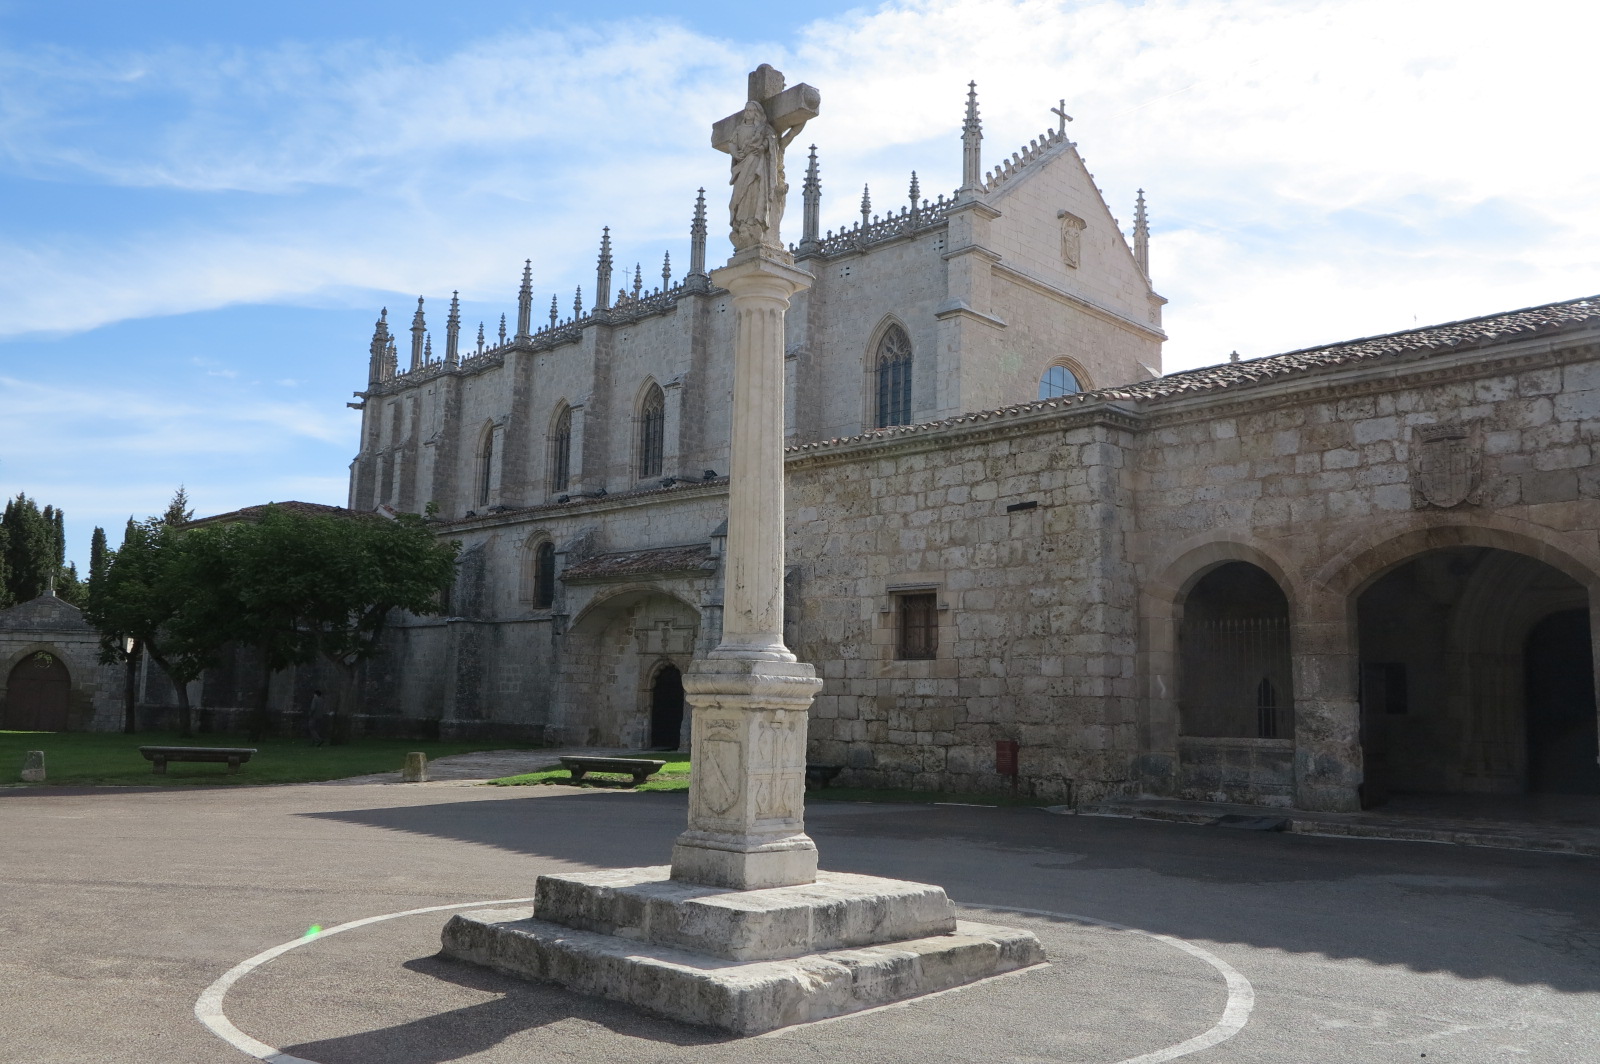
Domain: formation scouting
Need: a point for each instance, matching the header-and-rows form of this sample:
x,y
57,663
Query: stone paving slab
x,y
1567,832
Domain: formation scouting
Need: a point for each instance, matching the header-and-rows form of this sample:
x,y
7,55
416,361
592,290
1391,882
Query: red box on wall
x,y
1005,757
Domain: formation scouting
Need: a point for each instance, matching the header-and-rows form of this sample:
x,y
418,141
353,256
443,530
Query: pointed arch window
x,y
894,378
544,575
485,465
1058,381
652,432
561,450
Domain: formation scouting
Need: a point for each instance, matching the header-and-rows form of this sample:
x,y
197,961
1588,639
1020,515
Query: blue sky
x,y
203,205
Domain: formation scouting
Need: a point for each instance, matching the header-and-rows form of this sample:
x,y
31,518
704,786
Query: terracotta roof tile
x,y
642,562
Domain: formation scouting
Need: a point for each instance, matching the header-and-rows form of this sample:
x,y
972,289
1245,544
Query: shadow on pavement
x,y
463,1032
1520,917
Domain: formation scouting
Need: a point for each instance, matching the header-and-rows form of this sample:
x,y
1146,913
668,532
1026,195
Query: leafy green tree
x,y
32,554
97,555
145,601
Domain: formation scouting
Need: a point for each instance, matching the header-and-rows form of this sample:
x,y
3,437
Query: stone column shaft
x,y
750,697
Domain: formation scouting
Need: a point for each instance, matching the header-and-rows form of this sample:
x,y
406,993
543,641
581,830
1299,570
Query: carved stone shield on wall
x,y
1446,466
721,783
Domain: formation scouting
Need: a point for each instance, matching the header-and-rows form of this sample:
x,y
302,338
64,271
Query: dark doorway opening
x,y
666,708
1477,677
38,694
1234,665
1562,728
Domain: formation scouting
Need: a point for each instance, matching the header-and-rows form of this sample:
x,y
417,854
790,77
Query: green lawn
x,y
674,776
100,757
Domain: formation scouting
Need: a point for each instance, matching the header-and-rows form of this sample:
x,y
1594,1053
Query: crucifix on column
x,y
756,137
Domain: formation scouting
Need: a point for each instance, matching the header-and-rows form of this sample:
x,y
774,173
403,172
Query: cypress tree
x,y
97,555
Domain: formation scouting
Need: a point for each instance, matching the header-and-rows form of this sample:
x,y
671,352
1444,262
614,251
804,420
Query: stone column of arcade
x,y
742,932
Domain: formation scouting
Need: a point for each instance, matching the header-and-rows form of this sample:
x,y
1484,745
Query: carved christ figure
x,y
759,189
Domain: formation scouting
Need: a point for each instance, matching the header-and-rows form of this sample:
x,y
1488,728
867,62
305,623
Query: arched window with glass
x,y
561,449
544,575
1057,381
652,432
485,465
893,371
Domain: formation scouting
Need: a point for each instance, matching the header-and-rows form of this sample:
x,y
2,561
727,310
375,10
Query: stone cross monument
x,y
750,698
742,932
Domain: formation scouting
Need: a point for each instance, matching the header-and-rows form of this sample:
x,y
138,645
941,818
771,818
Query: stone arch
x,y
1235,768
889,387
539,570
611,654
650,430
38,690
1330,759
668,708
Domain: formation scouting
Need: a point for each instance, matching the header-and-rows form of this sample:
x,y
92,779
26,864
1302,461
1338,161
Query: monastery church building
x,y
1018,555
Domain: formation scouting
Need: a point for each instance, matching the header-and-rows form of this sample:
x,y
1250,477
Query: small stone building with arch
x,y
51,678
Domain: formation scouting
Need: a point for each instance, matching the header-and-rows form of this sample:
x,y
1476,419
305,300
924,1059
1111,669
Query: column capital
x,y
758,272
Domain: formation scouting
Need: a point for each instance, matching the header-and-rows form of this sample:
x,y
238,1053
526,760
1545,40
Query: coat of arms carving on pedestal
x,y
1445,466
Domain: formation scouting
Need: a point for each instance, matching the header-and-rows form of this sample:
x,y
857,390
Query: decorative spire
x,y
480,338
603,276
391,360
502,330
427,348
577,304
811,196
379,349
697,237
971,147
866,206
1233,356
1141,236
419,326
666,271
553,312
916,192
452,331
525,302
638,281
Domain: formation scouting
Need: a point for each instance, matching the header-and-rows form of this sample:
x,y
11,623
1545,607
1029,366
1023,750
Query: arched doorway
x,y
1235,688
1476,677
666,708
38,694
606,692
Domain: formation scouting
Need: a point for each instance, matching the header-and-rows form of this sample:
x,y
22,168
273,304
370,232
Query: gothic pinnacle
x,y
603,273
419,325
1141,235
666,271
480,338
866,205
697,237
638,280
916,192
553,312
971,147
427,348
577,304
525,302
452,331
811,199
502,330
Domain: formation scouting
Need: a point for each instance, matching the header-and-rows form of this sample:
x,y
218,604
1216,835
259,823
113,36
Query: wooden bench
x,y
160,755
819,776
639,768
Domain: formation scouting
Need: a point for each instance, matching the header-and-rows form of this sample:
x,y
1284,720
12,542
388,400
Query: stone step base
x,y
745,998
839,911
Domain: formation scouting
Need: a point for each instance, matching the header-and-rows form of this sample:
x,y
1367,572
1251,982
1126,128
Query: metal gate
x,y
1235,679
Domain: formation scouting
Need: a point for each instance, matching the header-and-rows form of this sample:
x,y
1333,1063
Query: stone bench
x,y
637,767
819,776
160,755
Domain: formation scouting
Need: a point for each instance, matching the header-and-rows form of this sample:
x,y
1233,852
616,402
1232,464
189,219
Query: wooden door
x,y
37,694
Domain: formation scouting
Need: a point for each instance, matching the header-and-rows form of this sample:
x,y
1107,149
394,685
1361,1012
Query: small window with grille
x,y
917,619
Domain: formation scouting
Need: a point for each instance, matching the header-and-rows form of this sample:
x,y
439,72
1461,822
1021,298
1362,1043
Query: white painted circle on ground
x,y
1235,1014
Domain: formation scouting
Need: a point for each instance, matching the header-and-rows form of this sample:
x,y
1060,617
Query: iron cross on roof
x,y
786,108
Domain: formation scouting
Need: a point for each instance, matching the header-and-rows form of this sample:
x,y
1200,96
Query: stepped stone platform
x,y
746,961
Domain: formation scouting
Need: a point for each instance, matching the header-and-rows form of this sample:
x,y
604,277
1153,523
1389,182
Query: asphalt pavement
x,y
120,907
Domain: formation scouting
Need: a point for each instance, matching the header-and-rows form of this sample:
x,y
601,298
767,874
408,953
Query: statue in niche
x,y
1072,228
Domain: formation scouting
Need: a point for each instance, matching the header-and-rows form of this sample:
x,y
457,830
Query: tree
x,y
97,555
31,547
372,567
179,512
146,600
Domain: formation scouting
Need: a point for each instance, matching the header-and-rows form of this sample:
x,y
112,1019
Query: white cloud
x,y
1317,168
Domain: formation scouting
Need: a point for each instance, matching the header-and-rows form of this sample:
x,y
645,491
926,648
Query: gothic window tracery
x,y
894,378
485,466
561,450
652,432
